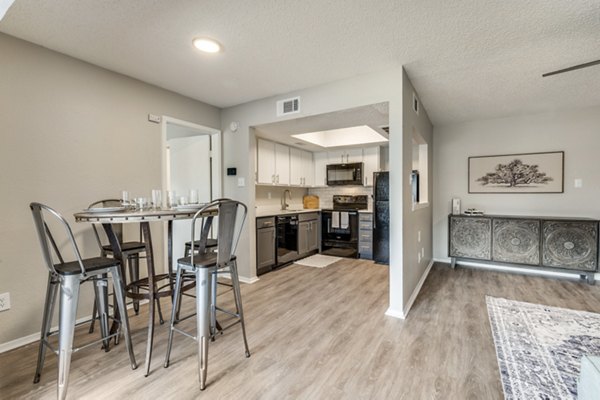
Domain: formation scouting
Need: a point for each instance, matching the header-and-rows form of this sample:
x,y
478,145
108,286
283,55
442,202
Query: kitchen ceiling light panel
x,y
352,136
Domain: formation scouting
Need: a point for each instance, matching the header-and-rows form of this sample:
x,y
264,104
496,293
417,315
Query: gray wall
x,y
577,132
71,133
418,219
335,96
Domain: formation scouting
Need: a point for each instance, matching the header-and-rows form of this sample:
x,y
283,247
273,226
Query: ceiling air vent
x,y
288,106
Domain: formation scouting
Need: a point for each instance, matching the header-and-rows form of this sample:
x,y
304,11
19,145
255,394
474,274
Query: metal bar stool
x,y
203,267
130,250
67,277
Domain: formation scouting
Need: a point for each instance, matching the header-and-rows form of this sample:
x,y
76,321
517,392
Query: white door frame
x,y
215,154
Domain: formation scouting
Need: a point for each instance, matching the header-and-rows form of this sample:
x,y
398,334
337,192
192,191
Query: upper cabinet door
x,y
297,167
309,168
336,157
282,164
354,155
321,160
372,164
266,162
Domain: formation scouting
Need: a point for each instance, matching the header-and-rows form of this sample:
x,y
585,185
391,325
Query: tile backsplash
x,y
269,197
326,194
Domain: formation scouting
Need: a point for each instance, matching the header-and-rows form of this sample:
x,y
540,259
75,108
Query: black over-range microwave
x,y
345,174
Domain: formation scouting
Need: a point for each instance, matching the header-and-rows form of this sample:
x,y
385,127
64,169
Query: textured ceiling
x,y
468,59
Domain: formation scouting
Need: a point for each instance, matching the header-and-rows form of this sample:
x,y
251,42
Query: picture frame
x,y
517,173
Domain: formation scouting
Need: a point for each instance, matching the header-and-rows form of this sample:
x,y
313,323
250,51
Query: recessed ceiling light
x,y
207,45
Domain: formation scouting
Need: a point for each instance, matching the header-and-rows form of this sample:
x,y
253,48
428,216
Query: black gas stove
x,y
340,225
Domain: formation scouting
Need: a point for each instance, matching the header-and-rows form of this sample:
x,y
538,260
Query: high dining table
x,y
124,215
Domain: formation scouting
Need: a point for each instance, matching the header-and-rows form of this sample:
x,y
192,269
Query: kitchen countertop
x,y
274,213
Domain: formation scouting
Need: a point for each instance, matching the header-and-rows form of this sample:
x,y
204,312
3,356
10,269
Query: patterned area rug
x,y
539,348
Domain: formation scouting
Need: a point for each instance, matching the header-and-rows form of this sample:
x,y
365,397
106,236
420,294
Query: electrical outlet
x,y
419,236
4,301
422,252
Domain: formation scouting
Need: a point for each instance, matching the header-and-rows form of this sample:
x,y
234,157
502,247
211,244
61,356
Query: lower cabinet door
x,y
516,241
470,237
570,244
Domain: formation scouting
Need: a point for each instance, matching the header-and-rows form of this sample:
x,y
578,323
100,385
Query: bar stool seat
x,y
90,265
127,247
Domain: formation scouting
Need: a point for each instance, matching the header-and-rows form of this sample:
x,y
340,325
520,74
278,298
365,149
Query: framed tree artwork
x,y
517,173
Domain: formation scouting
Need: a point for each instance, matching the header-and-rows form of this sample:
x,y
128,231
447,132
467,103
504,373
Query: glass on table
x,y
171,198
193,196
125,197
183,201
141,203
157,199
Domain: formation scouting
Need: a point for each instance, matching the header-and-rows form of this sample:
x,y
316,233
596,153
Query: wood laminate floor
x,y
318,334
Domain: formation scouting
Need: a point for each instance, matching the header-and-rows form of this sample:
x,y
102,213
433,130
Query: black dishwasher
x,y
287,239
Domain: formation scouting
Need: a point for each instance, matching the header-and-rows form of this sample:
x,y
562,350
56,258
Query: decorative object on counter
x,y
539,348
456,206
567,244
317,261
473,211
310,202
517,173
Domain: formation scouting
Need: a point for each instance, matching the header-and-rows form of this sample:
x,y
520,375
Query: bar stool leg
x,y
203,299
94,315
120,297
46,324
235,280
100,289
174,311
213,305
69,295
134,275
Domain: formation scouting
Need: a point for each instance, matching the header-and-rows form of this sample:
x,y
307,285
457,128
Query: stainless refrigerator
x,y
381,217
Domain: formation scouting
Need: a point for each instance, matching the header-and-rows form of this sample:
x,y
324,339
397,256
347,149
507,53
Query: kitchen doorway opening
x,y
191,161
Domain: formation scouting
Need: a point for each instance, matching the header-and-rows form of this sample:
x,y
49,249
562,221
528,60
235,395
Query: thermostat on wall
x,y
231,171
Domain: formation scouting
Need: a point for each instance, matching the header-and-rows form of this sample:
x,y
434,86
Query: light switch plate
x,y
241,182
578,183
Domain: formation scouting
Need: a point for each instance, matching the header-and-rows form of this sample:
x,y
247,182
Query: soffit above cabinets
x,y
375,116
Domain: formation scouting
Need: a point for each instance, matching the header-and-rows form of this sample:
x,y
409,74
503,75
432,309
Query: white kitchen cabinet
x,y
372,164
354,155
345,156
282,164
309,169
296,167
266,162
273,163
321,160
301,168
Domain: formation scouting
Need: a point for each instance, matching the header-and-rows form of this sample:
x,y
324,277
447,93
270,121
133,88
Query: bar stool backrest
x,y
117,228
40,211
230,226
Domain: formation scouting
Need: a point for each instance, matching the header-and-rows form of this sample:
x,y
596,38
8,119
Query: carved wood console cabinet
x,y
554,244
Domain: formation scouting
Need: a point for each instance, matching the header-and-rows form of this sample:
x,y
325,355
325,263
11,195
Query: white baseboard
x,y
243,279
402,314
395,313
519,270
34,337
415,292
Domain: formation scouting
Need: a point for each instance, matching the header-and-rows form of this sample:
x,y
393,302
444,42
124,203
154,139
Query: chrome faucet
x,y
285,205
